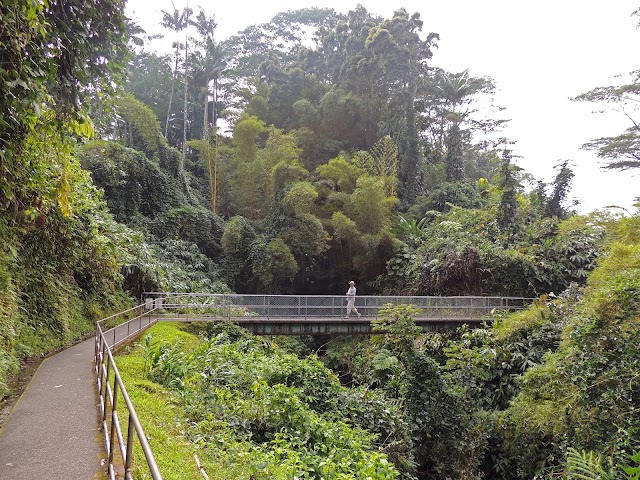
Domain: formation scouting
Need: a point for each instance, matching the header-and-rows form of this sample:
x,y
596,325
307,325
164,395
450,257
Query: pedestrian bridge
x,y
321,314
263,315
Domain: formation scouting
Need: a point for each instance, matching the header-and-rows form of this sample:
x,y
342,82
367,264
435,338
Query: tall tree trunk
x,y
212,188
186,89
215,172
454,159
173,84
206,136
410,151
215,104
205,120
215,132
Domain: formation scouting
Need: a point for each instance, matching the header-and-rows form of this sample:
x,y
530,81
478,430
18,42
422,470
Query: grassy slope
x,y
159,412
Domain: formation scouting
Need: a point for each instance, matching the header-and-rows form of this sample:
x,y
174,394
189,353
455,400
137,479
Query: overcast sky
x,y
539,54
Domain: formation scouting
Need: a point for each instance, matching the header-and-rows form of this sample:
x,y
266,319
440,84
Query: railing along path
x,y
111,333
264,314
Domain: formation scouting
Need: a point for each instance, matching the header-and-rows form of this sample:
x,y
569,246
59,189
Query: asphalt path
x,y
53,431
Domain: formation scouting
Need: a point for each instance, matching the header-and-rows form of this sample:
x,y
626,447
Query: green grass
x,y
516,323
160,414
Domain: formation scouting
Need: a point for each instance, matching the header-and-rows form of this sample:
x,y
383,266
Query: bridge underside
x,y
317,325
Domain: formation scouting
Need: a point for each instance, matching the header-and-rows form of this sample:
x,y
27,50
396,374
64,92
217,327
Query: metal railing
x,y
112,332
234,306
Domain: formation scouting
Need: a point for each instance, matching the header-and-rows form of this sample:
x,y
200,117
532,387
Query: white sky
x,y
539,54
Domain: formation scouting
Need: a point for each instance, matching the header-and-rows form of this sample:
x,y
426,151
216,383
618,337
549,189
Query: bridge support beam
x,y
317,326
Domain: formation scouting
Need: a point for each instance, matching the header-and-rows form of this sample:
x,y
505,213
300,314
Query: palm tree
x,y
216,59
212,66
455,89
175,21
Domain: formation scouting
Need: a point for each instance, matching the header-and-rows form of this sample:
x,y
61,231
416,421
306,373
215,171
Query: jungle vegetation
x,y
290,158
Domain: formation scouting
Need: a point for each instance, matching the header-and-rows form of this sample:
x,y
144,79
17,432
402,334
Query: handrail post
x,y
95,346
113,419
105,384
104,368
129,455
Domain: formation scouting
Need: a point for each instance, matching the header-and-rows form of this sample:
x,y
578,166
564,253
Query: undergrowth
x,y
250,410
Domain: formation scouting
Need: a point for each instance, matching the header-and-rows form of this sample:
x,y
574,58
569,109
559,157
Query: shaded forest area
x,y
291,158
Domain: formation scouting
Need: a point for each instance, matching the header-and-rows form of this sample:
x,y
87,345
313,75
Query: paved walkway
x,y
53,430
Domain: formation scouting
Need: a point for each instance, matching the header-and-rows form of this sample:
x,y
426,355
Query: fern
x,y
634,471
586,466
384,360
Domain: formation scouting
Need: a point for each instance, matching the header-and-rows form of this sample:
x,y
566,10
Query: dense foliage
x,y
518,399
60,249
250,409
343,136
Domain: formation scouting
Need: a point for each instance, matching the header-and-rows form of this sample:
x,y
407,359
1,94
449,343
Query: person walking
x,y
351,299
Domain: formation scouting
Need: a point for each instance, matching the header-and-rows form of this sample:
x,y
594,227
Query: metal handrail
x,y
233,306
106,368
